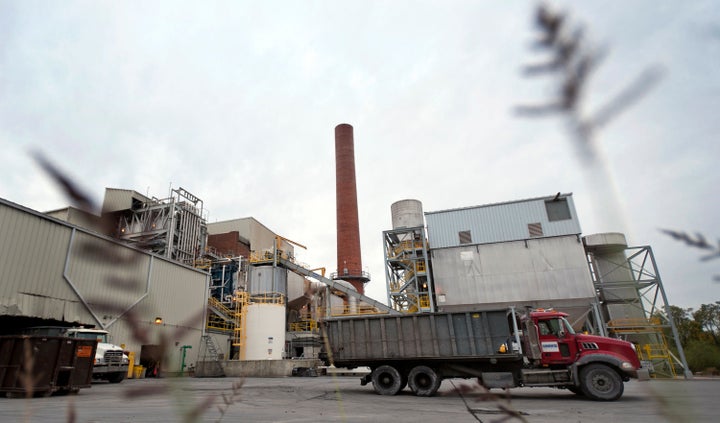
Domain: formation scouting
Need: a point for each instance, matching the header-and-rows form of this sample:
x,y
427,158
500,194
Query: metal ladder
x,y
211,357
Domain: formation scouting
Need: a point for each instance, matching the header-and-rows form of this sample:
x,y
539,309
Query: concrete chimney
x,y
349,260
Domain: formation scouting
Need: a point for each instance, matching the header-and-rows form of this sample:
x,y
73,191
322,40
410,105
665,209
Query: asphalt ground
x,y
343,399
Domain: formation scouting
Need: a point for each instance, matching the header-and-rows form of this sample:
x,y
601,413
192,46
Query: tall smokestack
x,y
349,260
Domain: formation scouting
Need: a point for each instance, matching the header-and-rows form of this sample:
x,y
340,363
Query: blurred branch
x,y
642,84
696,241
80,199
483,394
573,60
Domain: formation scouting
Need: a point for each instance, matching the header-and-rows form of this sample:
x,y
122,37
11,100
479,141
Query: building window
x,y
465,237
557,209
535,229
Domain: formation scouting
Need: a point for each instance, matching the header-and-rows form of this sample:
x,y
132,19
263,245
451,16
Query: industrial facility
x,y
229,299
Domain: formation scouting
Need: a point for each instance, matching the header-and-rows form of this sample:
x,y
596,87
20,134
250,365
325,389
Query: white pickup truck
x,y
111,362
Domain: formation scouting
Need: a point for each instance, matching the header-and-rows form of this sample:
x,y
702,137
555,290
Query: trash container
x,y
45,364
139,372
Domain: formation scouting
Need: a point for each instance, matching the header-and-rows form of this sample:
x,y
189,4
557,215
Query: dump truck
x,y
501,348
111,362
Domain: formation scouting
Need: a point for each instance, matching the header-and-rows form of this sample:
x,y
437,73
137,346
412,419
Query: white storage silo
x,y
265,332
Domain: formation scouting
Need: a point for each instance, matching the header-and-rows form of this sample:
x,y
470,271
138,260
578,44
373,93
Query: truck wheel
x,y
387,380
423,381
116,377
601,383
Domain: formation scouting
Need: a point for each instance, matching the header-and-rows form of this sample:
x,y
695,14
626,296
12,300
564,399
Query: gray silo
x,y
267,280
618,290
407,214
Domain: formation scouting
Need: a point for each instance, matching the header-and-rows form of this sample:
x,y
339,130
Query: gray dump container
x,y
460,335
45,364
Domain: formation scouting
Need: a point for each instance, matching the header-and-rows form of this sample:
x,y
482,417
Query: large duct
x,y
348,229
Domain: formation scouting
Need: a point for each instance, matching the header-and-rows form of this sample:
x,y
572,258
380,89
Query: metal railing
x,y
635,325
403,247
346,310
266,298
304,326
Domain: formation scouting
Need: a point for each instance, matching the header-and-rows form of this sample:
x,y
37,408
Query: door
x,y
556,342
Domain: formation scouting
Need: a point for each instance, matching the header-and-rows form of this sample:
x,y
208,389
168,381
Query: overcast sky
x,y
237,102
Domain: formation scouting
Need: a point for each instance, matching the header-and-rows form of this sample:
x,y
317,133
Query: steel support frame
x,y
407,273
653,302
173,227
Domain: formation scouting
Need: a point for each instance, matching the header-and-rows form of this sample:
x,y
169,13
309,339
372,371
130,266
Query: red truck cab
x,y
561,347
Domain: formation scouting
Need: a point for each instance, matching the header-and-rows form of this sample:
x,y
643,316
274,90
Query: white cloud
x,y
237,103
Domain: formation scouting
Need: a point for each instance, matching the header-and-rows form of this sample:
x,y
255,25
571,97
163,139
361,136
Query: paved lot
x,y
331,399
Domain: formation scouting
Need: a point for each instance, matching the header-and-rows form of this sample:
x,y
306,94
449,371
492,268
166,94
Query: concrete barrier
x,y
256,368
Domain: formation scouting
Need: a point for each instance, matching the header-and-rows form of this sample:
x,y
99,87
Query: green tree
x,y
708,317
688,329
703,356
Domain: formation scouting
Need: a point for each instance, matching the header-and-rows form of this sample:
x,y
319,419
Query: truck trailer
x,y
501,348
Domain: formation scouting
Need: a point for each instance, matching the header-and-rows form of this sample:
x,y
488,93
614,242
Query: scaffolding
x,y
647,332
173,227
230,317
221,319
406,270
655,355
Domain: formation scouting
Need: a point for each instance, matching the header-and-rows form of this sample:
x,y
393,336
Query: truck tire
x,y
423,381
601,383
387,380
116,377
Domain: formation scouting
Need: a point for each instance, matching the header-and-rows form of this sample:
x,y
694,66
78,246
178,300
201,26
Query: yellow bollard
x,y
131,364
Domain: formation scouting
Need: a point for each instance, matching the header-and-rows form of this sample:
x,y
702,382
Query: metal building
x,y
526,252
173,227
529,253
53,272
261,239
265,290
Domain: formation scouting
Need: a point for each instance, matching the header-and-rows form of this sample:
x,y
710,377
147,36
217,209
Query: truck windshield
x,y
568,328
89,335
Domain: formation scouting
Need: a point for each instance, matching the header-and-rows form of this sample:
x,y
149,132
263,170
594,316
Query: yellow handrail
x,y
304,326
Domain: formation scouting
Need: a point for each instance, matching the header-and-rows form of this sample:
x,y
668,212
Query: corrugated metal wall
x,y
50,269
548,270
498,222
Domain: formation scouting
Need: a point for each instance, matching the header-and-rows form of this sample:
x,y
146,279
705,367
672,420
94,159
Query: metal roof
x,y
502,222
